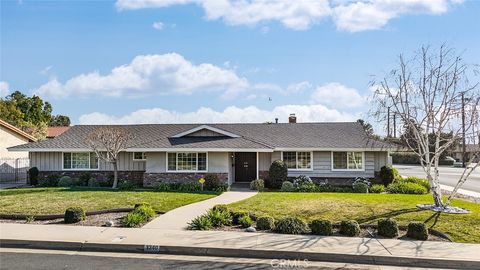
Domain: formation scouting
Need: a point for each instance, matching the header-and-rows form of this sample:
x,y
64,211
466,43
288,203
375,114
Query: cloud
x,y
299,87
251,114
369,15
338,95
46,70
163,74
351,16
4,89
158,25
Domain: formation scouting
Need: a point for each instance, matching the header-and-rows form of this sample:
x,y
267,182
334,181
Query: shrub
x,y
311,187
189,187
84,179
108,182
406,188
258,184
277,174
349,228
126,185
200,223
92,182
212,182
74,215
291,225
51,181
142,204
287,186
388,174
330,188
387,228
417,180
141,214
321,227
360,187
162,187
405,158
237,215
417,230
265,223
33,176
66,181
245,221
377,188
222,188
219,218
301,180
221,207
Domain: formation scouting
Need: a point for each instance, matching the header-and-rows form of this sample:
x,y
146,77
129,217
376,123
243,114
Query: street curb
x,y
244,253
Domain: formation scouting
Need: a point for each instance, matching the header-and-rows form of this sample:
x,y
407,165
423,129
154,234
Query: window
x,y
190,161
347,161
297,160
80,161
139,156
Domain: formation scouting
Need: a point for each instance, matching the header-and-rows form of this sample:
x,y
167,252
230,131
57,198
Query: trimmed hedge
x,y
387,228
257,184
66,181
403,187
287,186
74,215
417,230
265,223
277,174
321,227
349,228
291,225
417,180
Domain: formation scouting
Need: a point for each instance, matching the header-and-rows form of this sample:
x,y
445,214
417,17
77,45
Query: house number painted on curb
x,y
151,248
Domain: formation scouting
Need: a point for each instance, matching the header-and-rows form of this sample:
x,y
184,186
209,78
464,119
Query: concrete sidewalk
x,y
178,218
242,244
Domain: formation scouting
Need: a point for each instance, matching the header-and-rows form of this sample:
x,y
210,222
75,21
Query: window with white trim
x,y
298,160
187,161
139,156
347,160
80,161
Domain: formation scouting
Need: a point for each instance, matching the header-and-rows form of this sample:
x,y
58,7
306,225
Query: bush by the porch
x,y
257,184
277,174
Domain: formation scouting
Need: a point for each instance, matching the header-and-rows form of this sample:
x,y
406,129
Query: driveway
x,y
448,176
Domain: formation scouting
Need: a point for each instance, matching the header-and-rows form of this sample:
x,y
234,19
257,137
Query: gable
x,y
205,131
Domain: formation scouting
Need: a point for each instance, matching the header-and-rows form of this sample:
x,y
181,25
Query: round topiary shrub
x,y
245,221
74,215
417,230
349,228
360,188
321,227
265,223
291,225
387,228
377,188
33,176
258,184
66,181
287,186
388,174
277,174
212,182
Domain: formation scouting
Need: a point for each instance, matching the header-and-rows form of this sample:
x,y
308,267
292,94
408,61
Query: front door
x,y
245,167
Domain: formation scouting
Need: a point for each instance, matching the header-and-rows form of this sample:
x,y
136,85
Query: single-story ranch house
x,y
235,152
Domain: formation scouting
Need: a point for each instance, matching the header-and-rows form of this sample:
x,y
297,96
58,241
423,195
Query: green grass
x,y
365,208
43,201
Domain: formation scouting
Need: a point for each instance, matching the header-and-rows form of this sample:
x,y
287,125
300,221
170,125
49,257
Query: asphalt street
x,y
448,176
69,260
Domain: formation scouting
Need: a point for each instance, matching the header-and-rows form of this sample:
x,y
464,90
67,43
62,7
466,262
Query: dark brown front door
x,y
245,167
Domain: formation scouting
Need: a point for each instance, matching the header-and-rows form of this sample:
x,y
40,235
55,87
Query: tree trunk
x,y
436,191
115,175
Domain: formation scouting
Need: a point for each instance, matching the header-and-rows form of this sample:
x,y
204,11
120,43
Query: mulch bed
x,y
91,220
365,231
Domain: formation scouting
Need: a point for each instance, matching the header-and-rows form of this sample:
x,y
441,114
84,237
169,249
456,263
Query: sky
x,y
190,61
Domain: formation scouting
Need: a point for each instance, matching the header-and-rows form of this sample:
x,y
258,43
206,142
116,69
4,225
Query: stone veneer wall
x,y
101,176
150,179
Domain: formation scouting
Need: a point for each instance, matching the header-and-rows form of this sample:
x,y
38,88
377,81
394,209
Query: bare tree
x,y
430,93
107,143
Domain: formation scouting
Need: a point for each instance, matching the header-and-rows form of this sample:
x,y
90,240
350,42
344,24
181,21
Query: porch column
x,y
257,167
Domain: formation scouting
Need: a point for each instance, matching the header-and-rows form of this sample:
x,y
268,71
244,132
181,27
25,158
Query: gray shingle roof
x,y
334,135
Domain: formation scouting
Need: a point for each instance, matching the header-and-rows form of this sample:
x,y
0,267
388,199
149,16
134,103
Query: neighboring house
x,y
12,136
470,149
234,152
53,132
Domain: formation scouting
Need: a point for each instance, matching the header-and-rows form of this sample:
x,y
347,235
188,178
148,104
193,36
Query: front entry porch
x,y
245,167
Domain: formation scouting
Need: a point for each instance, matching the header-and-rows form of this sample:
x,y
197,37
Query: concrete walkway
x,y
429,254
177,219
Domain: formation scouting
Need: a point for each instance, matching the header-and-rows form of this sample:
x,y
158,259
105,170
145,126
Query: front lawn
x,y
43,201
366,209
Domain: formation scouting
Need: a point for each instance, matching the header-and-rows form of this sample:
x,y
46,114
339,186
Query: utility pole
x,y
388,122
394,125
464,147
